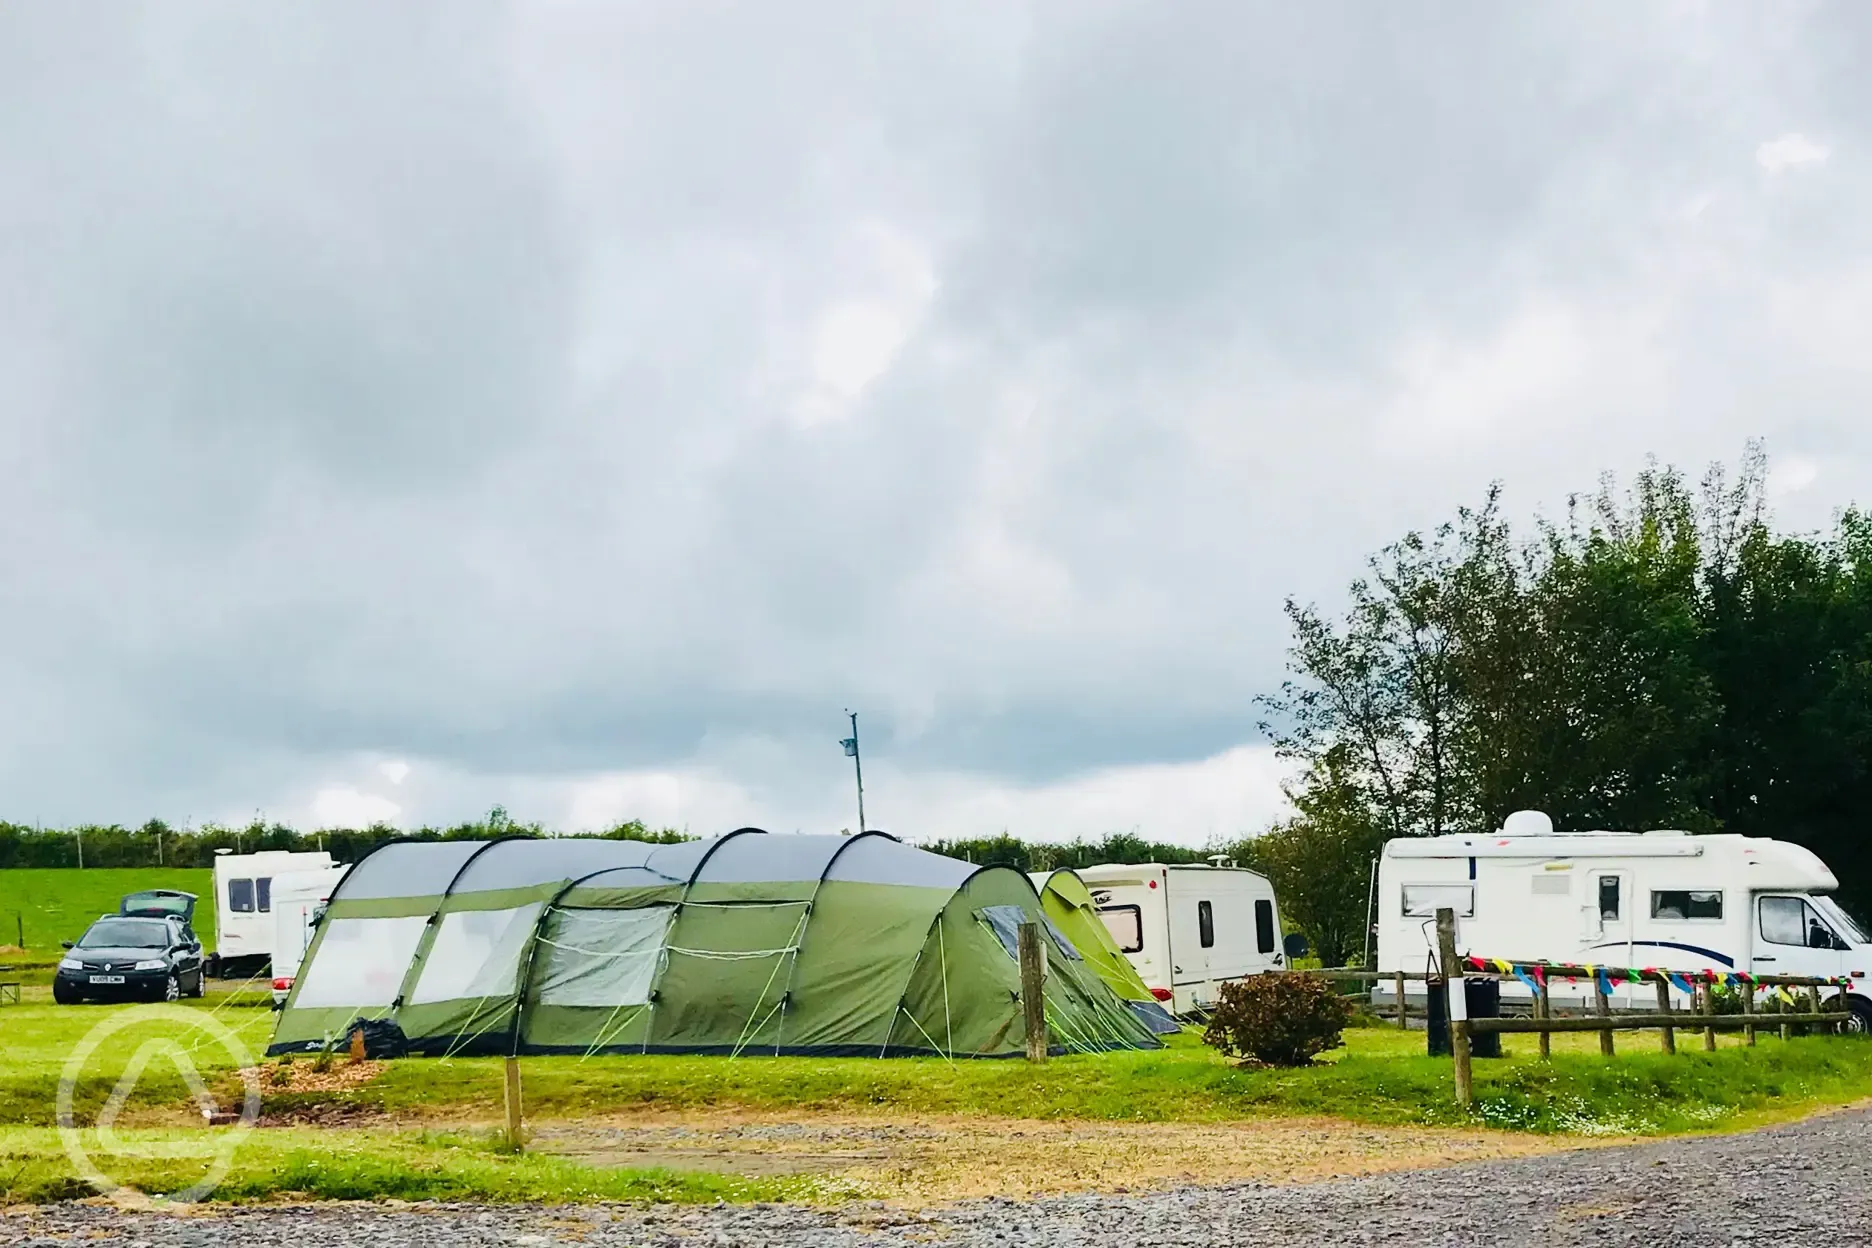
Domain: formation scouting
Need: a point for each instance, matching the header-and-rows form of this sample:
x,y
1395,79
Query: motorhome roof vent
x,y
1527,823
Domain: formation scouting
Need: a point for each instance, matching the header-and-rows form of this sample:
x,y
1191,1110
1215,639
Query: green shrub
x,y
1278,1019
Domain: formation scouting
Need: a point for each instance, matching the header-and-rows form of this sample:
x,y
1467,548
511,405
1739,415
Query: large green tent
x,y
747,943
1069,904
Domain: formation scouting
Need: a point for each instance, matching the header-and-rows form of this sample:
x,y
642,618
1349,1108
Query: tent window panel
x,y
1126,925
476,954
360,962
602,958
1005,922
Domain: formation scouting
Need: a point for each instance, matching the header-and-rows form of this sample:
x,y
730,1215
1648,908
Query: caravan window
x,y
240,896
1422,901
1126,925
1264,926
1205,924
1679,903
263,896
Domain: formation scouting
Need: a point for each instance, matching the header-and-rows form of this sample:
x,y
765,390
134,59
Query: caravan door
x,y
1609,923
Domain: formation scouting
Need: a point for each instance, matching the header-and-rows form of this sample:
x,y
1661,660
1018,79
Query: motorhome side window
x,y
241,896
1686,904
1205,924
1422,901
1264,926
1791,921
1126,925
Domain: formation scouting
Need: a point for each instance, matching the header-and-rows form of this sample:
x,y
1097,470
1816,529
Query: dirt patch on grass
x,y
932,1160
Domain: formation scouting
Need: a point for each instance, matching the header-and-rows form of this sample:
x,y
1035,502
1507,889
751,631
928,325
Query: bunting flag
x,y
1605,981
1637,976
1681,984
1540,974
1525,978
1784,994
1504,967
1475,963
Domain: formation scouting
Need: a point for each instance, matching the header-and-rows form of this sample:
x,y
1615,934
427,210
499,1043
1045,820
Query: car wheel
x,y
172,989
63,997
200,988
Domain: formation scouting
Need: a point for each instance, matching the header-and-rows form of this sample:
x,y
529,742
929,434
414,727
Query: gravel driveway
x,y
1797,1185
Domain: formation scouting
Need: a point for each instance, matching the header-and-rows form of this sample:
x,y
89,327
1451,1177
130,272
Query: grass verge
x,y
361,1165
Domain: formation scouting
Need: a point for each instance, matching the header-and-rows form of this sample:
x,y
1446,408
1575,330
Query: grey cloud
x,y
424,381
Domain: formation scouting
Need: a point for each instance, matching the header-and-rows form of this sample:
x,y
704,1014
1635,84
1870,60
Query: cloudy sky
x,y
408,408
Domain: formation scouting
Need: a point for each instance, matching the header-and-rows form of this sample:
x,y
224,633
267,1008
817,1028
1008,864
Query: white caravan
x,y
243,885
298,898
1188,928
1662,899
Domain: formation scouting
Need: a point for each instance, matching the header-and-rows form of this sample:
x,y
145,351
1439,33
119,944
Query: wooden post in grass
x,y
1403,1014
1787,1031
1457,1013
1605,1011
1813,1000
1543,1007
357,1045
1664,1005
1748,1008
513,1105
1709,1010
1033,991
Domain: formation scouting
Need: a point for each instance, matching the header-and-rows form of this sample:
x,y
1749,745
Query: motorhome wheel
x,y
1860,1023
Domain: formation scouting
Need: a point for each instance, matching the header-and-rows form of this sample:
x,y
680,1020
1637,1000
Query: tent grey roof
x,y
523,863
407,869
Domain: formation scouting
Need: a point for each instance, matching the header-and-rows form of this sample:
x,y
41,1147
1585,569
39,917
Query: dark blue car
x,y
130,958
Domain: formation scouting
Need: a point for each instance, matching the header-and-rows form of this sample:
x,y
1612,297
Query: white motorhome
x,y
298,897
243,885
1188,928
1664,899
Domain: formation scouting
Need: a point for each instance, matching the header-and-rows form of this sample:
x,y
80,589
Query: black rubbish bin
x,y
1483,994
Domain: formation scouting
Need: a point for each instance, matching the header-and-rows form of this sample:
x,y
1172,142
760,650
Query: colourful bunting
x,y
1681,984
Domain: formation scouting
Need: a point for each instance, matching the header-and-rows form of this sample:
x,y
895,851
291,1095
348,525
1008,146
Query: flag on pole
x,y
851,747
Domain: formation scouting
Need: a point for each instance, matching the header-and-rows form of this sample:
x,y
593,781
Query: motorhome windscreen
x,y
1422,901
1126,925
1842,922
1682,903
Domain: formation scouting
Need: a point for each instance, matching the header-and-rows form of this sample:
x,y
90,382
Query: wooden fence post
x,y
1543,1006
1748,1008
1033,991
1709,1011
1403,1013
1604,1004
1664,1005
513,1105
1457,1012
1813,1001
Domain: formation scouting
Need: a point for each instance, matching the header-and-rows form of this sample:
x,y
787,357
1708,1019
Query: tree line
x,y
1660,656
155,843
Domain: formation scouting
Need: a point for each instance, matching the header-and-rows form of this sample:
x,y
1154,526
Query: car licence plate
x,y
107,979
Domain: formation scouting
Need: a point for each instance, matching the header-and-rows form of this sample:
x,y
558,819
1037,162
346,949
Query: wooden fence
x,y
1597,1015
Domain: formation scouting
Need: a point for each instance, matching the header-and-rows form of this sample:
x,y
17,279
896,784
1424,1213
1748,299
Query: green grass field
x,y
54,904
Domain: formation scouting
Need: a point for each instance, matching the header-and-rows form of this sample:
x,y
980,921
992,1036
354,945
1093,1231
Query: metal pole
x,y
858,767
1371,908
